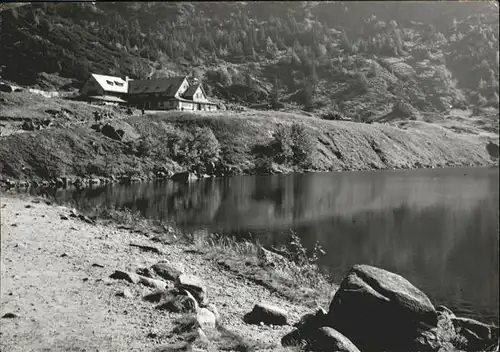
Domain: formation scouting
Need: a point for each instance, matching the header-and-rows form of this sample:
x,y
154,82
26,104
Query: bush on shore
x,y
294,145
188,148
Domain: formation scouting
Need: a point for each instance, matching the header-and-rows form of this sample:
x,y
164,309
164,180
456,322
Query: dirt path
x,y
63,301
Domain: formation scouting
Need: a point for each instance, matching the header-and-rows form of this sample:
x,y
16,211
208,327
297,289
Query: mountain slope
x,y
367,60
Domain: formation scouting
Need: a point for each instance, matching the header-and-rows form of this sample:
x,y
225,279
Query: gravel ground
x,y
63,301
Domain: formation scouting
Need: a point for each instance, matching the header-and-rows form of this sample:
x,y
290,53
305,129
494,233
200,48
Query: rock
x,y
162,285
175,347
201,336
492,149
123,275
444,310
178,304
328,339
206,319
9,315
125,293
267,314
144,272
316,319
194,285
271,258
135,279
480,329
372,303
474,342
64,217
157,296
110,132
146,248
86,219
306,327
211,307
184,177
166,271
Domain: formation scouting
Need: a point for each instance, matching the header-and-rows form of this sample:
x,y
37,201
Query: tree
x,y
276,96
309,95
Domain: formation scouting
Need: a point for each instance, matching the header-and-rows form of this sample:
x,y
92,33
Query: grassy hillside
x,y
370,61
251,141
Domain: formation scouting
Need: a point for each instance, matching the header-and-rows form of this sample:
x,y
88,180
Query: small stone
x,y
266,314
98,265
162,285
64,217
64,255
10,315
166,271
178,304
125,293
206,319
211,307
146,248
123,275
194,285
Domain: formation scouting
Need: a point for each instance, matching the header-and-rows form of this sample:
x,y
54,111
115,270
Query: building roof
x,y
168,86
190,91
111,83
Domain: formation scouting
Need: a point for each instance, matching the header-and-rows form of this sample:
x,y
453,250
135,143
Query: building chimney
x,y
127,78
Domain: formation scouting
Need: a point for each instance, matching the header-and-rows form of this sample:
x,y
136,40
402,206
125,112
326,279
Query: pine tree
x,y
275,99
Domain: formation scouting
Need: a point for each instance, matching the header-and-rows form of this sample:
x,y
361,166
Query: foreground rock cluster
x,y
376,310
373,310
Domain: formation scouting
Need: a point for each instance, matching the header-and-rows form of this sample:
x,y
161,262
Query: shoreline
x,y
39,236
159,146
73,182
217,263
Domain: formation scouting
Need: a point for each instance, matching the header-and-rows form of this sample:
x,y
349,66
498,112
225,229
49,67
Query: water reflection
x,y
438,228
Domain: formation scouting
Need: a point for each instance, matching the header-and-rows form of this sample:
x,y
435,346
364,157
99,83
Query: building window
x,y
119,84
109,82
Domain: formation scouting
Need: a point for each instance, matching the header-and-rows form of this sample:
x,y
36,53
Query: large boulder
x,y
110,132
266,314
379,310
120,131
184,177
194,285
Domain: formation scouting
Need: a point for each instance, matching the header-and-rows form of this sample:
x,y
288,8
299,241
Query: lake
x,y
438,228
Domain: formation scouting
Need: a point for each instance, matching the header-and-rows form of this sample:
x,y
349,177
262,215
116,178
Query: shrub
x,y
283,143
293,144
360,83
303,145
196,149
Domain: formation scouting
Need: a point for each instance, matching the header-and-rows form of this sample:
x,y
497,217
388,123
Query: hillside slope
x,y
177,141
370,61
